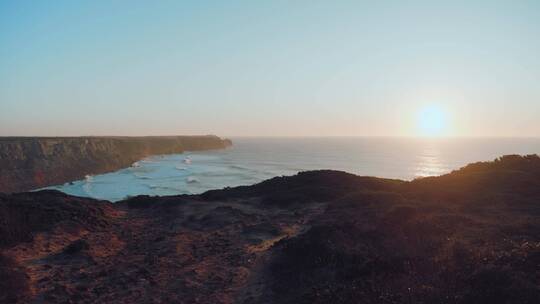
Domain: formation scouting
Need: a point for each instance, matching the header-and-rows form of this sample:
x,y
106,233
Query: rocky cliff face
x,y
32,162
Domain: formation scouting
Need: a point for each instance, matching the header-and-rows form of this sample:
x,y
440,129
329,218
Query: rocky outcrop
x,y
33,162
471,236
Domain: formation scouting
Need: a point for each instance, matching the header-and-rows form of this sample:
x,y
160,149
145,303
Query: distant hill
x,y
470,236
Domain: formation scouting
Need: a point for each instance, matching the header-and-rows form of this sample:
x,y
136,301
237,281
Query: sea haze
x,y
252,160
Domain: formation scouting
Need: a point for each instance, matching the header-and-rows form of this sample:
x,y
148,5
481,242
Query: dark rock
x,y
76,247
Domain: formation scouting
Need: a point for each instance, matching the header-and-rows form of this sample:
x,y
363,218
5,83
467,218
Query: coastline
x,y
472,235
28,163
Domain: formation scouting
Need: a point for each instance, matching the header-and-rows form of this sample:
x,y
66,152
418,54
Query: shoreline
x,y
34,162
473,234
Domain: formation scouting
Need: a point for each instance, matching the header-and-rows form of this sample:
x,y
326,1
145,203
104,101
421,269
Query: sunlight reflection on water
x,y
252,160
429,163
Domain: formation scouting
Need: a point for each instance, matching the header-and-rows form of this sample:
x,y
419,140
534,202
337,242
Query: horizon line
x,y
286,136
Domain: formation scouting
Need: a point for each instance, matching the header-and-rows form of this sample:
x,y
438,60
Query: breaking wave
x,y
140,176
87,186
191,179
239,167
161,187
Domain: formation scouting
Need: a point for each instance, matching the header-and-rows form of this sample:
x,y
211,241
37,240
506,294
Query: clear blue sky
x,y
269,67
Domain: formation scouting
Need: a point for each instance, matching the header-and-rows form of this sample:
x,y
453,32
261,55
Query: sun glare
x,y
432,121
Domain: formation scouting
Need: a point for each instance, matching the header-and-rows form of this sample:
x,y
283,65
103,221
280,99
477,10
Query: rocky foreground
x,y
472,236
28,163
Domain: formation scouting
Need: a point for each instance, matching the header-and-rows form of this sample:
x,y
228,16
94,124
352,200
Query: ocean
x,y
252,160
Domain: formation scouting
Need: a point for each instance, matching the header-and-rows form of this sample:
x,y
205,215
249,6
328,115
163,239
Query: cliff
x,y
471,236
33,162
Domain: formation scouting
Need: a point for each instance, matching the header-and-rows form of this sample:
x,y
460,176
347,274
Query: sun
x,y
432,121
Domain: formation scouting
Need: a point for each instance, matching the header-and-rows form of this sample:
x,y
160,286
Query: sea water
x,y
252,160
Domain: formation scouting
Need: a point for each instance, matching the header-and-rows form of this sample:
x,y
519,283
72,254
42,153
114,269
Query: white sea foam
x,y
191,179
162,187
253,160
239,167
87,186
140,176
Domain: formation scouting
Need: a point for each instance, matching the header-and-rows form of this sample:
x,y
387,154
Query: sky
x,y
270,68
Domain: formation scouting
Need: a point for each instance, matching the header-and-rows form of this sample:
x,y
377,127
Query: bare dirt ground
x,y
472,236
